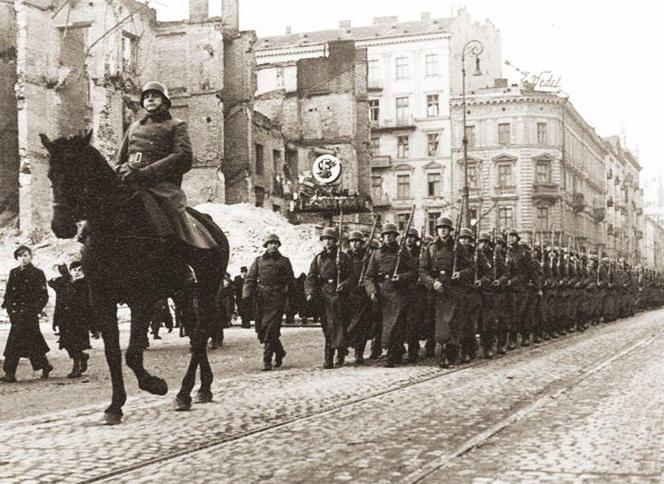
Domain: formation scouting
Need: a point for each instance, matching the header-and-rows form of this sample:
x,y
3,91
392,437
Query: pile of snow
x,y
246,227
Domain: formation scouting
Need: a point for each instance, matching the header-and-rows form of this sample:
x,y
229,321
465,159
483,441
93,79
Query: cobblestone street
x,y
586,407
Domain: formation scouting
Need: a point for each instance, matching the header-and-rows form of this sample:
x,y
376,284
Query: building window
x,y
504,133
432,217
402,221
374,110
375,146
431,64
433,184
432,105
543,218
372,65
402,146
260,196
376,187
543,172
291,167
541,134
403,110
505,175
276,161
505,218
470,136
129,50
403,186
260,160
402,68
433,140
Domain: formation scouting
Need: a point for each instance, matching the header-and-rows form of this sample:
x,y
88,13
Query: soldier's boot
x,y
46,369
511,340
329,357
487,345
84,362
267,357
376,349
76,369
413,351
537,336
525,339
359,354
430,348
501,341
341,356
445,354
8,378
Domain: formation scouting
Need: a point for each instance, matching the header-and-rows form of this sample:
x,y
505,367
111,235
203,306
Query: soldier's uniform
x,y
331,283
501,295
418,298
486,309
270,283
360,318
520,275
392,294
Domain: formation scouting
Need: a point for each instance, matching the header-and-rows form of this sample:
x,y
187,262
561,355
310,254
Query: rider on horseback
x,y
156,152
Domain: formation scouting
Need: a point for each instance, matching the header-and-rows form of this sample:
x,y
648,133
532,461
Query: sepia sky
x,y
608,53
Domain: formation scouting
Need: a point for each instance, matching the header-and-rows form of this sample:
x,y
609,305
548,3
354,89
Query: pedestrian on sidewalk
x,y
243,306
73,294
25,297
58,284
270,283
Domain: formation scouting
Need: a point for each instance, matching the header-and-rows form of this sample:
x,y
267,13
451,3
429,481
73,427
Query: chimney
x,y
289,30
344,24
385,20
230,14
198,10
426,15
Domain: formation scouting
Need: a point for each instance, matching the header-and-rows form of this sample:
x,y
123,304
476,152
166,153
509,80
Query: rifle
x,y
402,243
476,258
456,241
341,221
495,256
365,263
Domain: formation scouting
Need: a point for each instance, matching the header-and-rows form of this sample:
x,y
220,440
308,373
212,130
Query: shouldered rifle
x,y
402,244
338,261
476,259
456,241
495,256
367,253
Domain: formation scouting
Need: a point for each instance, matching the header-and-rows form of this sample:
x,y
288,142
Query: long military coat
x,y
166,155
25,297
75,315
393,295
270,283
321,283
437,264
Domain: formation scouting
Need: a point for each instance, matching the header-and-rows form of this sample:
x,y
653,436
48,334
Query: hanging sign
x,y
326,169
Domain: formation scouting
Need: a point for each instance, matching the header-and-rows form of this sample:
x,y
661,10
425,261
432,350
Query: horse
x,y
126,260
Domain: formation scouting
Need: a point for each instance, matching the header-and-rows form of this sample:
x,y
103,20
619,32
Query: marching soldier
x,y
389,284
25,298
502,297
428,314
463,279
483,303
359,305
270,282
520,273
330,279
416,310
438,273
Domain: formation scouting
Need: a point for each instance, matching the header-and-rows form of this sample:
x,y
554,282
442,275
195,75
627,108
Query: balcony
x,y
375,84
549,192
382,202
381,161
407,123
578,202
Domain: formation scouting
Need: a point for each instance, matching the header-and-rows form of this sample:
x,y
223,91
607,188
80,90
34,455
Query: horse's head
x,y
72,174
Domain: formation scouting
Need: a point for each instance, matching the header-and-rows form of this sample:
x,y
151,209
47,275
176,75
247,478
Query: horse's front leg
x,y
107,323
189,301
140,320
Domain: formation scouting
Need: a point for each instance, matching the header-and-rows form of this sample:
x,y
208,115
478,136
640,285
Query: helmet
x,y
329,233
466,232
427,239
524,244
484,237
356,235
444,222
515,234
160,88
413,233
390,228
271,238
500,240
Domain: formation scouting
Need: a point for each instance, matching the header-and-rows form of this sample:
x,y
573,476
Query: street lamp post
x,y
473,47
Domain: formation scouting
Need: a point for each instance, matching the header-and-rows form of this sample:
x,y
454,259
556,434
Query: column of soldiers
x,y
447,290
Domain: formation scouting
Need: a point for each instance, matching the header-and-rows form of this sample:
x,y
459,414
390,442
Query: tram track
x,y
431,467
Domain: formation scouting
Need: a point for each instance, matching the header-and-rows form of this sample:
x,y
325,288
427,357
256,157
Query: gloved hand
x,y
437,286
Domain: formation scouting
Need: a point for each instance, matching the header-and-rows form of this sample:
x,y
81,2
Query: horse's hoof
x,y
154,385
182,404
204,397
112,418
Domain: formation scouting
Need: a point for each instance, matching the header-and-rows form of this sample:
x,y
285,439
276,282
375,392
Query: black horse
x,y
125,260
